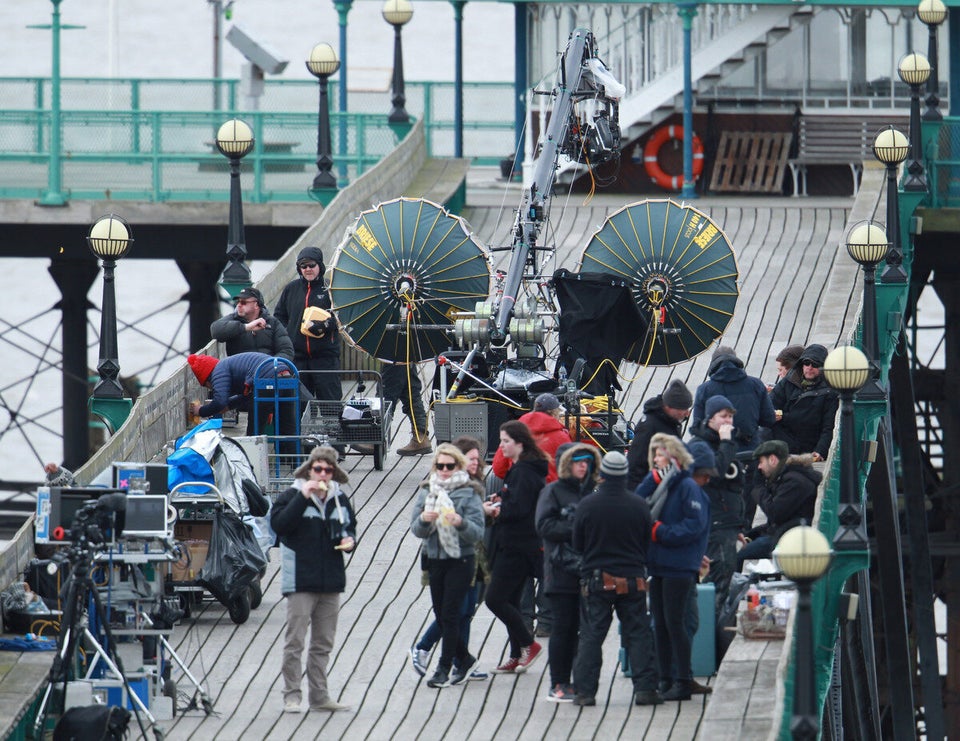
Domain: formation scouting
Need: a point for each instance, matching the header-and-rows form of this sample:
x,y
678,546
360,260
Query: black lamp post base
x,y
916,180
398,115
324,180
108,388
872,390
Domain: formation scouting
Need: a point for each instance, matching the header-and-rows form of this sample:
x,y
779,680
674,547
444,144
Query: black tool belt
x,y
601,581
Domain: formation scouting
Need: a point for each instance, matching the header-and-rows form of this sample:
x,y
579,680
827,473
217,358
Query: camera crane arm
x,y
582,77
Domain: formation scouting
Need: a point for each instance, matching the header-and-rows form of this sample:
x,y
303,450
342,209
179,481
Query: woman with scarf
x,y
448,516
517,554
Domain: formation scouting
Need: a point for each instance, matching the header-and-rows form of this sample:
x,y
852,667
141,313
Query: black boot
x,y
679,690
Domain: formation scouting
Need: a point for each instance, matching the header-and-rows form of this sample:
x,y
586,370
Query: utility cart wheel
x,y
256,595
239,607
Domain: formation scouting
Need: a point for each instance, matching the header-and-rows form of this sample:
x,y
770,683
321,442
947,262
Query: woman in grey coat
x,y
448,516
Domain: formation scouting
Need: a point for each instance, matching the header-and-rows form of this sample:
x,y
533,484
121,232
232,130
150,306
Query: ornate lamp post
x,y
846,369
397,13
109,239
932,13
803,555
235,140
891,148
867,244
322,63
914,69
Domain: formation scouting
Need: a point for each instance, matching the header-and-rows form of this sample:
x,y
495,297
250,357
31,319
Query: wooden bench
x,y
837,140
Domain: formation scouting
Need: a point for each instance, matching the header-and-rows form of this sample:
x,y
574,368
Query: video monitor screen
x,y
146,516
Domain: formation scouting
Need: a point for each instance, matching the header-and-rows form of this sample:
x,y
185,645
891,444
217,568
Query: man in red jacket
x,y
546,424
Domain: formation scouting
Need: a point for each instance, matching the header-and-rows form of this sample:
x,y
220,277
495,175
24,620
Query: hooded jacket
x,y
272,340
725,490
309,560
747,394
789,498
678,538
655,420
556,508
809,411
297,295
549,434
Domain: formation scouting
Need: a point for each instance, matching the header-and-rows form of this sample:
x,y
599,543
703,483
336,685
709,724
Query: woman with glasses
x,y
448,517
805,406
316,526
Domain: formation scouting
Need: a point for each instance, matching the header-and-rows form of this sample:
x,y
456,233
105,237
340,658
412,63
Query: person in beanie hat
x,y
664,413
747,394
578,467
310,351
806,406
316,526
251,328
678,540
612,531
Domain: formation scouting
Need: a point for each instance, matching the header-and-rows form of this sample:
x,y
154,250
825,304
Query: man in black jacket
x,y
805,406
251,328
664,413
612,531
316,347
788,497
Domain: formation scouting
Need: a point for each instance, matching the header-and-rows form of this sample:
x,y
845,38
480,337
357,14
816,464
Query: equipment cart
x,y
362,421
196,503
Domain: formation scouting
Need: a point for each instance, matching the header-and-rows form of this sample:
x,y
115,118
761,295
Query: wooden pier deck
x,y
786,251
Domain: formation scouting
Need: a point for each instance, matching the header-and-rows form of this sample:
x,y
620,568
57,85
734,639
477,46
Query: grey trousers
x,y
319,613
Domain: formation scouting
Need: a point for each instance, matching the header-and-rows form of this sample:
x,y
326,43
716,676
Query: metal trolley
x,y
194,528
360,421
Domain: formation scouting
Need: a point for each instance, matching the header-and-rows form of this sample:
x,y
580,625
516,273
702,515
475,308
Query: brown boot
x,y
417,446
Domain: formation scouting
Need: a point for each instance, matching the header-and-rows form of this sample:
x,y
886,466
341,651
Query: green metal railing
x,y
152,139
944,163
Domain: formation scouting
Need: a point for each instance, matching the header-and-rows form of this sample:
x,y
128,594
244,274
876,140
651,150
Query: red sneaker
x,y
529,654
508,667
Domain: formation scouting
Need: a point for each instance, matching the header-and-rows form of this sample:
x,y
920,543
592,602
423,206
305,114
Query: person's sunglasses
x,y
308,265
246,301
322,469
446,466
811,363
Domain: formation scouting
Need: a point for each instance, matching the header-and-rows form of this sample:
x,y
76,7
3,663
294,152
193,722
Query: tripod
x,y
79,589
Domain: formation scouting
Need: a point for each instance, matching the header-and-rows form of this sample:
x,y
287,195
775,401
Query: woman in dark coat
x,y
516,552
577,466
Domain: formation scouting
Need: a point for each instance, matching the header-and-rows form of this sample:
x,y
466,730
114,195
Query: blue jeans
x,y
433,632
761,547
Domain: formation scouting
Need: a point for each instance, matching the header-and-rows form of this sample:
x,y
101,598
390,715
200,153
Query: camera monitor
x,y
57,508
154,474
145,517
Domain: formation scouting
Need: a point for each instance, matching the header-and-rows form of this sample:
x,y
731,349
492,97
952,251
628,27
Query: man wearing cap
x,y
546,424
788,497
748,395
251,328
724,487
664,413
806,407
316,342
612,531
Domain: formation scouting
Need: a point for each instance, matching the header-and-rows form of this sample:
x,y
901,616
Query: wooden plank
x,y
750,162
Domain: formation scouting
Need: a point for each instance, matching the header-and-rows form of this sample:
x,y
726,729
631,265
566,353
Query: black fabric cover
x,y
598,319
234,559
101,722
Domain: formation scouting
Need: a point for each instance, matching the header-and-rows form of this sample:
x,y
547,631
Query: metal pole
x,y
520,75
687,14
54,194
399,113
324,178
343,8
852,533
108,367
458,77
893,271
873,389
805,724
237,272
217,51
933,82
916,180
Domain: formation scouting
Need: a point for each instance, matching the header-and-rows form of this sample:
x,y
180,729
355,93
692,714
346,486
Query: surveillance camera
x,y
256,53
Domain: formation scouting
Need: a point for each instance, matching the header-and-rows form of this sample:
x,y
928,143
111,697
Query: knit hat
x,y
248,293
326,454
772,447
676,395
311,254
614,464
546,403
716,404
202,366
704,461
790,355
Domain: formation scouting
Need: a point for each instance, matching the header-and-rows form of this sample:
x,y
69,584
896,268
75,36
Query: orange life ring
x,y
651,153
